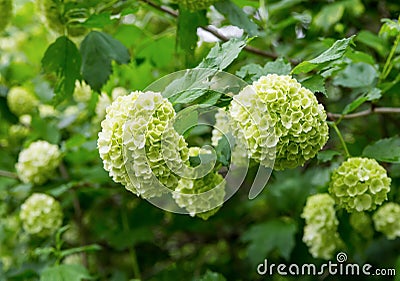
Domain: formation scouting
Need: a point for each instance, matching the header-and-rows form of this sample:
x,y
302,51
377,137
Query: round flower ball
x,y
139,122
21,101
359,184
320,231
37,163
201,197
285,115
387,220
41,215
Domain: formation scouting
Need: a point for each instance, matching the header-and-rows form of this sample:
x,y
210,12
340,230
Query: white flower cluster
x,y
320,231
203,196
277,112
41,215
82,92
140,122
21,101
359,184
105,100
387,220
37,163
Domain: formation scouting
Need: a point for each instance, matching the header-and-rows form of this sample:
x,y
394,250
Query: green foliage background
x,y
347,52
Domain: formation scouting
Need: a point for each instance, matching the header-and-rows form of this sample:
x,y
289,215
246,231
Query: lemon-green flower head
x,y
38,162
21,101
41,215
320,231
359,184
281,114
387,220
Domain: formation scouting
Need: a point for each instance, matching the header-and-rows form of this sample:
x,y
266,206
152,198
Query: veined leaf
x,y
63,58
65,272
385,150
336,51
98,49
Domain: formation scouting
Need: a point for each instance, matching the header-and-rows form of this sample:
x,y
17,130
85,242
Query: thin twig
x,y
378,110
220,36
8,174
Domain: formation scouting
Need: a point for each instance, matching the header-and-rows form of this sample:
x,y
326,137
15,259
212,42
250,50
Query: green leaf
x,y
373,94
375,42
188,22
65,272
237,16
223,149
327,155
263,238
336,51
98,49
63,58
212,276
251,70
99,20
87,248
315,83
385,150
356,75
186,121
255,71
221,56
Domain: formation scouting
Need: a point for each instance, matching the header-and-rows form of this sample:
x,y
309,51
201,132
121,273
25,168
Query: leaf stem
x,y
8,174
387,67
333,124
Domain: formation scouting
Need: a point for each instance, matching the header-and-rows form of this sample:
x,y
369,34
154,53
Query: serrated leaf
x,y
336,51
255,71
272,235
221,56
356,75
65,272
237,16
315,83
385,150
62,58
98,49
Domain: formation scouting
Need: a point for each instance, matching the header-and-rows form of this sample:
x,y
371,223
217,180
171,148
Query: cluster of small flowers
x,y
6,8
320,231
38,162
195,5
156,150
21,101
105,101
82,92
387,220
140,122
279,119
201,197
41,215
359,184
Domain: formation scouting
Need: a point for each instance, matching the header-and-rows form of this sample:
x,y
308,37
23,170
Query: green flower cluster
x,y
41,215
320,231
37,163
362,223
387,220
359,184
276,111
156,151
21,101
195,5
5,13
141,122
201,197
